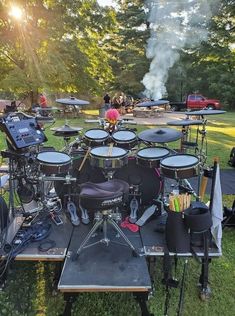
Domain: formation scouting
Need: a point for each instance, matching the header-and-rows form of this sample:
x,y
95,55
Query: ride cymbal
x,y
186,122
205,112
160,135
72,101
153,103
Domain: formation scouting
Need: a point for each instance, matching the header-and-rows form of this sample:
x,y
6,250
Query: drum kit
x,y
143,160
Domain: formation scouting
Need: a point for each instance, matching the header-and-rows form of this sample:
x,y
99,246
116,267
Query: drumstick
x,y
84,159
110,150
203,187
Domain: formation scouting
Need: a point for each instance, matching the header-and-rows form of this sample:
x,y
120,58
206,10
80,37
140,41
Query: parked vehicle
x,y
196,102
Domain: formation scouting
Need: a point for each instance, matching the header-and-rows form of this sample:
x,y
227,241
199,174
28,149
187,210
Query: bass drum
x,y
147,179
87,173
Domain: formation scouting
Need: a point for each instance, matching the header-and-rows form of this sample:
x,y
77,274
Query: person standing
x,y
42,101
107,104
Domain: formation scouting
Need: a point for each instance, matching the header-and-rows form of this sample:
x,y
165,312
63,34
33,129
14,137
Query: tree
x,y
55,46
126,48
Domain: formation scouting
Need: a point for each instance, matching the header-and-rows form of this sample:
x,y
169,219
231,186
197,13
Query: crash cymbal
x,y
153,103
72,101
186,122
66,129
205,112
160,135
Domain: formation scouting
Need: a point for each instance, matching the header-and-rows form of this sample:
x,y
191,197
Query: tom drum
x,y
179,166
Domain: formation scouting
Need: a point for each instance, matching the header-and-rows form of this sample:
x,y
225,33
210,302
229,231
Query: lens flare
x,y
16,12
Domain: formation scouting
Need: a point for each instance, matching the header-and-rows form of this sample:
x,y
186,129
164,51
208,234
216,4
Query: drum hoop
x,y
54,164
109,157
48,163
178,168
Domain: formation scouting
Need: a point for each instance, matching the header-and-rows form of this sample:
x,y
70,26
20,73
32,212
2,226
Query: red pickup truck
x,y
196,102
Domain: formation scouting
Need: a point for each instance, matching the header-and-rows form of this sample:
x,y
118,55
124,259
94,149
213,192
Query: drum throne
x,y
104,200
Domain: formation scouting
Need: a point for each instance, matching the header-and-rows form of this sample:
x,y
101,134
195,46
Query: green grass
x,y
29,292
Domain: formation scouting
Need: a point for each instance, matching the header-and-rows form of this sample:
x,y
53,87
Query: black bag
x,y
231,161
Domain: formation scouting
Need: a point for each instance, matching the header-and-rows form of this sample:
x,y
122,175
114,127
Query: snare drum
x,y
150,157
179,166
108,158
96,137
124,139
53,162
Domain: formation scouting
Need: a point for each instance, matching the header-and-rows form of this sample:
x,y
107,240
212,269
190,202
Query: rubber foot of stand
x,y
205,294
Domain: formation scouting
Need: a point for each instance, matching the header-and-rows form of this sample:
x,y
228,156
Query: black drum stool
x,y
104,199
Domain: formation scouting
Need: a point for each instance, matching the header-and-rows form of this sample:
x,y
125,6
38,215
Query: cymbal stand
x,y
202,151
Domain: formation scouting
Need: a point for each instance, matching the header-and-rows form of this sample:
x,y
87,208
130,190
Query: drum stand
x,y
202,151
185,142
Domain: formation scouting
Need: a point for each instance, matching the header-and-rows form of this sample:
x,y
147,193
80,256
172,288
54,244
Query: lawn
x,y
28,290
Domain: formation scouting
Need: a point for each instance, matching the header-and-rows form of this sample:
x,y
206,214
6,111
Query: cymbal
x,y
186,122
153,103
72,101
66,129
44,119
205,112
160,135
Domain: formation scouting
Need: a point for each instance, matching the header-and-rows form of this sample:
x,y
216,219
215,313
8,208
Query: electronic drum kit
x,y
142,160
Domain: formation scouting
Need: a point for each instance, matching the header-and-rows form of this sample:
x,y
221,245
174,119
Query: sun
x,y
16,12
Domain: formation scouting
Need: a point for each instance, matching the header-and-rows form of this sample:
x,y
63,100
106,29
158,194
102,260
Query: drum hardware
x,y
72,210
135,201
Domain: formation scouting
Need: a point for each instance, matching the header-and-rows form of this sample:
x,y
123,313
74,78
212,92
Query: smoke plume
x,y
173,26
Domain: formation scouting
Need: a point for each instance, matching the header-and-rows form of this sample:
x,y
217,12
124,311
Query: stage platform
x,y
104,268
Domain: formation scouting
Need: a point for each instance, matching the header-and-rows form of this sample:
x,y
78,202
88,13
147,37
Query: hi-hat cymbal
x,y
153,103
205,112
72,101
44,119
66,129
186,122
160,135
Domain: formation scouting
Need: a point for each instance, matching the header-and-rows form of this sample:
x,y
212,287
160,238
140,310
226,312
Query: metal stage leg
x,y
69,299
205,291
142,298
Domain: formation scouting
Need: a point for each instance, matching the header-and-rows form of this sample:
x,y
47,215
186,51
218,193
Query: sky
x,y
105,2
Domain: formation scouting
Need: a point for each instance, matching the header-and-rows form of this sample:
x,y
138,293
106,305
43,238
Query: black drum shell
x,y
127,143
98,160
184,172
50,168
93,141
